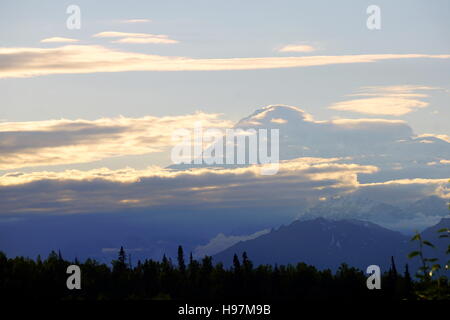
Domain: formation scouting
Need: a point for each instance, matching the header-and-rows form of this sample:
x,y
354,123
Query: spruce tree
x,y
408,287
236,264
181,264
247,264
122,256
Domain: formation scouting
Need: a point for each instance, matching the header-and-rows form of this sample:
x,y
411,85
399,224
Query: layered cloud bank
x,y
298,181
375,158
104,190
392,101
385,143
59,40
56,142
128,37
72,59
60,142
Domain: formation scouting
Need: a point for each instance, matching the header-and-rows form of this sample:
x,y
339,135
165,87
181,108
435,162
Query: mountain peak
x,y
359,243
275,115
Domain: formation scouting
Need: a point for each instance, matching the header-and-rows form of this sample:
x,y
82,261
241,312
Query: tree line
x,y
25,278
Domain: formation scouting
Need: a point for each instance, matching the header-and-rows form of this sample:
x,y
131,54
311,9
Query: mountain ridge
x,y
326,244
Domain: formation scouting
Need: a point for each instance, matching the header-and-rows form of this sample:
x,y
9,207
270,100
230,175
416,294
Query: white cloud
x,y
278,120
393,100
136,21
406,189
105,190
127,37
441,162
155,40
55,142
222,242
298,181
444,137
380,106
74,59
297,48
59,40
60,142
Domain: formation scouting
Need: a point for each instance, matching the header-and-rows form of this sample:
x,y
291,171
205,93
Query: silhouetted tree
x,y
393,269
120,265
246,263
408,284
236,264
23,278
181,265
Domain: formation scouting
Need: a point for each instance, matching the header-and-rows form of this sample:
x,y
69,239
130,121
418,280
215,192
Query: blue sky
x,y
104,100
232,29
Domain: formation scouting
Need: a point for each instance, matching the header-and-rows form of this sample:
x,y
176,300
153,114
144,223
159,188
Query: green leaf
x,y
428,243
444,230
416,237
435,267
413,254
430,259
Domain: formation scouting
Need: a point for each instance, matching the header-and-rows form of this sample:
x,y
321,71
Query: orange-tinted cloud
x,y
53,142
128,37
73,59
392,101
59,40
103,190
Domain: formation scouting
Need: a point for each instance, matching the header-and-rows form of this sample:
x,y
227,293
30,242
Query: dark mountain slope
x,y
324,244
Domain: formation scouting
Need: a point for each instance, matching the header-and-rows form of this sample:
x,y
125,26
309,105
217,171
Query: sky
x,y
86,115
230,29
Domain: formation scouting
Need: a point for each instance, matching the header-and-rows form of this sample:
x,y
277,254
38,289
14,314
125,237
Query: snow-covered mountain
x,y
391,145
419,214
327,243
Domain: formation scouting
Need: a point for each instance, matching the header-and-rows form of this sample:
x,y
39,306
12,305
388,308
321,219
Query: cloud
x,y
278,120
60,142
136,21
59,40
55,142
389,144
338,136
222,242
405,190
127,37
298,181
319,159
297,48
392,101
105,190
75,59
386,144
155,40
365,123
439,136
380,106
318,166
440,162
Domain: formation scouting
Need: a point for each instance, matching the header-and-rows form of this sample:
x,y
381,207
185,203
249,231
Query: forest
x,y
202,280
